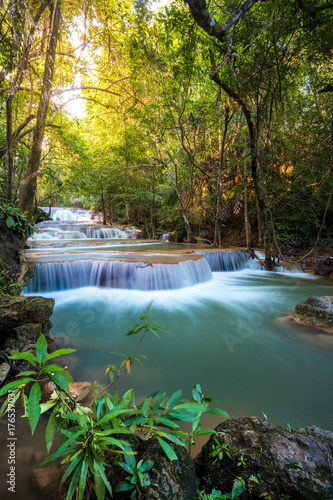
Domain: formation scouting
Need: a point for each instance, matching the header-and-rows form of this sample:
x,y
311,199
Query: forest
x,y
221,134
166,199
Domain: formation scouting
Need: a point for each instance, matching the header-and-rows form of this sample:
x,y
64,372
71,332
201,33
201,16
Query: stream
x,y
220,316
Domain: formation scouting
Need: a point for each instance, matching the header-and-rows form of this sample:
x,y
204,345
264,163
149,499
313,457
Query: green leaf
x,y
192,407
172,438
59,380
59,352
184,416
126,467
238,487
99,467
217,411
146,466
73,484
28,356
167,449
166,422
124,486
71,466
41,348
33,407
10,222
158,403
51,429
67,443
83,478
174,398
99,487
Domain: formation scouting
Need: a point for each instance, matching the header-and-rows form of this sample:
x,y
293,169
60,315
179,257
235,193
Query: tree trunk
x,y
103,209
9,145
27,194
246,214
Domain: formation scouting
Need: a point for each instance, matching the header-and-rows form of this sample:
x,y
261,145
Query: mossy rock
x,y
316,310
298,464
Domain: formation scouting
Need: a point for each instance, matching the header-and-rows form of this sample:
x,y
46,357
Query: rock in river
x,y
295,463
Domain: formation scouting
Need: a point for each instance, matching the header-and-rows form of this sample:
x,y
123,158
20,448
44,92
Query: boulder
x,y
168,479
75,390
23,319
317,311
271,460
46,482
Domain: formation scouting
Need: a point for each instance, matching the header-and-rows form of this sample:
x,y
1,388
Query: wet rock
x,y
4,370
46,482
316,310
75,390
297,463
23,319
168,479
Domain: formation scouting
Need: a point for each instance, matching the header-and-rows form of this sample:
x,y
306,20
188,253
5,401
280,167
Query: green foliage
x,y
8,282
16,221
91,434
219,450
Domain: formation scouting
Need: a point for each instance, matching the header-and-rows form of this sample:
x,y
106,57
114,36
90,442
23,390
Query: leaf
x,y
59,352
158,403
166,422
28,356
146,466
238,487
33,407
10,222
217,411
51,429
126,467
66,444
83,478
71,466
172,438
124,486
192,407
184,416
73,484
99,467
59,380
41,348
167,449
174,398
99,487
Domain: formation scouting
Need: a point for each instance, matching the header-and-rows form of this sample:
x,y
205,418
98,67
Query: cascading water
x,y
225,333
74,224
118,274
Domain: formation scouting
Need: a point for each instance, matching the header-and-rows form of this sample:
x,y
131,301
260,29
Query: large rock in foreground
x,y
24,319
296,463
317,311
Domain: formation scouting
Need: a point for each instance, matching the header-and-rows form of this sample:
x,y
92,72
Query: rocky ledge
x,y
271,461
23,320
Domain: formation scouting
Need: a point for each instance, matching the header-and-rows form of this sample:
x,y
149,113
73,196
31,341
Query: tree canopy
x,y
198,117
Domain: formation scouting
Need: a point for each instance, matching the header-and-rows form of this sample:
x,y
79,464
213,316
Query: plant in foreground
x,y
109,425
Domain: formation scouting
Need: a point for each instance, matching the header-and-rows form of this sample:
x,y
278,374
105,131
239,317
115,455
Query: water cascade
x,y
222,309
225,260
74,224
118,274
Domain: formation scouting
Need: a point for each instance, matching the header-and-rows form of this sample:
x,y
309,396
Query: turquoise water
x,y
224,334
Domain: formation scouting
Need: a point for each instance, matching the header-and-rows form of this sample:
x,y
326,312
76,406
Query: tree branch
x,y
199,12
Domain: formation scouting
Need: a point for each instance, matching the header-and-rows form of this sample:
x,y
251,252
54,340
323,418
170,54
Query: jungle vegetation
x,y
198,116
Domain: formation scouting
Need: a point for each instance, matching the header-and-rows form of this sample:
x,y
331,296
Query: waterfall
x,y
118,274
109,233
225,260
